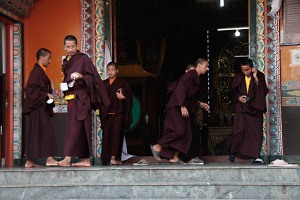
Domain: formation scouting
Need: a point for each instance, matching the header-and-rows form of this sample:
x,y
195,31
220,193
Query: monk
x,y
248,91
117,116
85,92
195,147
40,142
177,133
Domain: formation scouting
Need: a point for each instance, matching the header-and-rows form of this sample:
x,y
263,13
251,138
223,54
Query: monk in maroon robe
x,y
116,117
248,91
193,107
40,142
85,92
177,133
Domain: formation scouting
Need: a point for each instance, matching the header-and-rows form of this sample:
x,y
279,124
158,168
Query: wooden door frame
x,y
8,94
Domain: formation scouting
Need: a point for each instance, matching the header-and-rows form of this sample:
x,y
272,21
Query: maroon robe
x,y
115,118
40,142
177,133
195,149
89,94
247,136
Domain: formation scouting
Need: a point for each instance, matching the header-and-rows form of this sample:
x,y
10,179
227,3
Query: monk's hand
x,y
243,99
204,105
76,75
50,96
184,112
120,94
254,71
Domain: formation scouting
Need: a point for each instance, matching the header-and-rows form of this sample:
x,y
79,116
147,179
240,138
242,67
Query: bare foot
x,y
115,162
83,163
157,147
156,151
175,158
51,162
66,162
29,164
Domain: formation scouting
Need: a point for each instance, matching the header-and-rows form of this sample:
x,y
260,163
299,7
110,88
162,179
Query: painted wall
x,y
290,90
290,75
47,25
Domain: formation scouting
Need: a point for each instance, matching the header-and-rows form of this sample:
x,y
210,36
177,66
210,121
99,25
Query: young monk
x,y
248,91
177,134
117,116
40,141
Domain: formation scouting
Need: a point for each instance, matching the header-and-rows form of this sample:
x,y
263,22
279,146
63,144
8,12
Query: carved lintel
x,y
19,8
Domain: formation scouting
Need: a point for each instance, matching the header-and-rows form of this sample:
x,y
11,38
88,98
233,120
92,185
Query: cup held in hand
x,y
63,86
49,101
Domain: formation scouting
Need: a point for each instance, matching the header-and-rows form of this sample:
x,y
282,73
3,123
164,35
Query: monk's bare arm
x,y
204,105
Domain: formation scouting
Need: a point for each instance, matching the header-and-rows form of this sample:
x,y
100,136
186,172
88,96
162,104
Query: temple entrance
x,y
162,38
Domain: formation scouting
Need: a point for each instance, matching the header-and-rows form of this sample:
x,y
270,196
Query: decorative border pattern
x,y
290,85
92,43
99,61
260,62
87,44
17,106
260,37
290,93
268,60
273,67
87,28
99,36
290,101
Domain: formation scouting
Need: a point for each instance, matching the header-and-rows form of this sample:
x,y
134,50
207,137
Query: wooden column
x,y
9,138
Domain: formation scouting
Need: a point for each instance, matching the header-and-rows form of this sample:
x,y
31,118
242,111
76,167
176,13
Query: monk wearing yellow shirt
x,y
248,91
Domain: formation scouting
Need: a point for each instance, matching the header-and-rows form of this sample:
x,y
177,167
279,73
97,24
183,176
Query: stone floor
x,y
153,181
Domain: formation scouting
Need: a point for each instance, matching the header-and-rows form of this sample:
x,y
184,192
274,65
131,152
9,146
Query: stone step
x,y
153,192
236,181
151,173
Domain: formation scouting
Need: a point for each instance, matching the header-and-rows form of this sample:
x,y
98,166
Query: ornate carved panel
x,y
18,7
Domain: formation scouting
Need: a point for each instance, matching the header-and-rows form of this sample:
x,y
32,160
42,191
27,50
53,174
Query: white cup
x,y
63,86
49,101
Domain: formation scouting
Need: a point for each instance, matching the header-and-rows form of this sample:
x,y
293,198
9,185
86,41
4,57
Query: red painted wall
x,y
47,25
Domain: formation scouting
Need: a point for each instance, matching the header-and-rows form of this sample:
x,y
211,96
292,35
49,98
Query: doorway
x,y
189,30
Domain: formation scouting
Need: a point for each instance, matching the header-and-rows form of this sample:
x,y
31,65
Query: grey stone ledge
x,y
155,184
